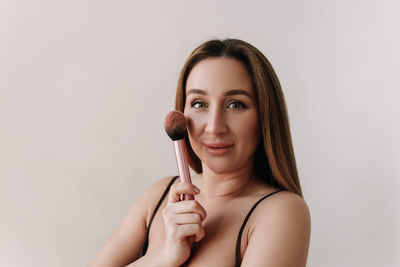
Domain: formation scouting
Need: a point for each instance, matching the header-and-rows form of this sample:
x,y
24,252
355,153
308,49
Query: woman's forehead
x,y
219,74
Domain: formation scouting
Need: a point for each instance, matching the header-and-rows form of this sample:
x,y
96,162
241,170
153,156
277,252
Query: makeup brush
x,y
175,126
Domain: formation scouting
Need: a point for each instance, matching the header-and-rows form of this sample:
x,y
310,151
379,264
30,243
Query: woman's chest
x,y
221,227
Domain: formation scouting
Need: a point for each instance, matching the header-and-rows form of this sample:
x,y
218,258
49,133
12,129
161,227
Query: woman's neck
x,y
214,185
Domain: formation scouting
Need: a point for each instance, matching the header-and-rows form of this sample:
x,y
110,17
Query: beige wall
x,y
85,86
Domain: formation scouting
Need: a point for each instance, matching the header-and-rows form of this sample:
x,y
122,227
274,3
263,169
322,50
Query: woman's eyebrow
x,y
196,91
238,92
228,93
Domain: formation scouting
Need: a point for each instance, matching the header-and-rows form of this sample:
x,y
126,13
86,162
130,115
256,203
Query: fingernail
x,y
196,189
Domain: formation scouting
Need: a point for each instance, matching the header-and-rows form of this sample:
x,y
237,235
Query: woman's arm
x,y
280,234
125,244
182,219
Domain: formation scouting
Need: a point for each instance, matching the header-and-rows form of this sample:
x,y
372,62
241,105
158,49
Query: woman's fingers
x,y
179,189
183,218
187,218
186,230
179,232
187,206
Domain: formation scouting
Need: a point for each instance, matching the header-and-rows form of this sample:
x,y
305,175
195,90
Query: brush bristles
x,y
175,125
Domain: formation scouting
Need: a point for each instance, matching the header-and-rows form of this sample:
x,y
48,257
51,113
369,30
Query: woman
x,y
248,208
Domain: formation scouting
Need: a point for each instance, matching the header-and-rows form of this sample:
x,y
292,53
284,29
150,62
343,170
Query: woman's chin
x,y
219,166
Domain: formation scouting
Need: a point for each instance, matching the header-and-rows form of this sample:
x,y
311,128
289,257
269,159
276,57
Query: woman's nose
x,y
215,122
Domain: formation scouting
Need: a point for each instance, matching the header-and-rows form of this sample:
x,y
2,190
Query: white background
x,y
85,86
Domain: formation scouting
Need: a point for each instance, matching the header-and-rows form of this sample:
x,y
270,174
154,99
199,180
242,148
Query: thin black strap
x,y
239,239
146,241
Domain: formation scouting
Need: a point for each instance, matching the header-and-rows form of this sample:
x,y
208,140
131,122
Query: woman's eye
x,y
236,105
198,104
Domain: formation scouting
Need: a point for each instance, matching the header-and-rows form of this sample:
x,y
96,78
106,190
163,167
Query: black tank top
x,y
239,238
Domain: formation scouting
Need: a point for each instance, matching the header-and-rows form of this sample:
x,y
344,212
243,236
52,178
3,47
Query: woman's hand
x,y
183,223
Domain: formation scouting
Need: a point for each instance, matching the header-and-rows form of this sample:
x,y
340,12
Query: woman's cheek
x,y
195,145
194,122
194,131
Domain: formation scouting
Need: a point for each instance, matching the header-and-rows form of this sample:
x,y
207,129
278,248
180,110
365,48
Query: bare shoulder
x,y
156,188
279,233
150,197
283,205
144,205
126,242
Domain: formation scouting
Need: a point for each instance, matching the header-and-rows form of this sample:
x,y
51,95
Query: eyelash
x,y
196,102
241,104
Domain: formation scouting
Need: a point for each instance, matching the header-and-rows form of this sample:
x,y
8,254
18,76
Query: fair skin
x,y
224,132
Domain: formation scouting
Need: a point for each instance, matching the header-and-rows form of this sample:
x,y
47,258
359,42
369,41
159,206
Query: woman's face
x,y
222,114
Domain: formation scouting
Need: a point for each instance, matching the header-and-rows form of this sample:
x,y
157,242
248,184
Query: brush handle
x,y
183,168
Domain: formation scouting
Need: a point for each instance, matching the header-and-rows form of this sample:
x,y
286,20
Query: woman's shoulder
x,y
283,206
127,240
279,227
158,186
277,201
151,196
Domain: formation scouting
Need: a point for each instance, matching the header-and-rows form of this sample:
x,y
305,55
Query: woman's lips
x,y
218,149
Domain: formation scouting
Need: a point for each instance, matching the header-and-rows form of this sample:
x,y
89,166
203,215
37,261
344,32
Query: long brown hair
x,y
274,161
